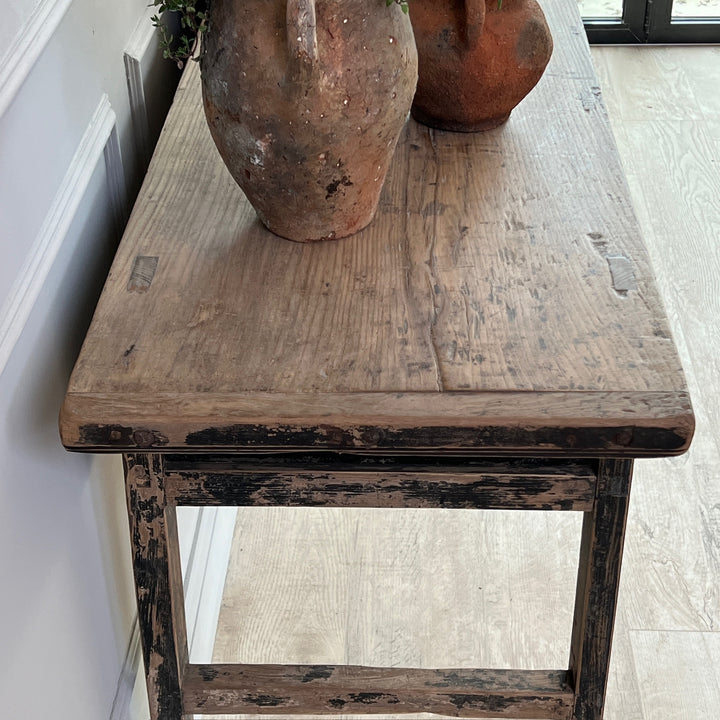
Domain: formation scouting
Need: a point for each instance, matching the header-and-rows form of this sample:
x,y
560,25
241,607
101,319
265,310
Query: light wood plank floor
x,y
470,589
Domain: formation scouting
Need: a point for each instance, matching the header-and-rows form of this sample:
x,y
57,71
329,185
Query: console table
x,y
493,340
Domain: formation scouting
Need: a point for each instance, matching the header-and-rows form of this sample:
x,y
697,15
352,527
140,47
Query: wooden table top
x,y
502,301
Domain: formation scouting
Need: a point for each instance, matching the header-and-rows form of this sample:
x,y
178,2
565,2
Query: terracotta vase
x,y
477,60
305,100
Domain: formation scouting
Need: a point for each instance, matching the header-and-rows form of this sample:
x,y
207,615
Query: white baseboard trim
x,y
26,288
27,46
128,677
206,579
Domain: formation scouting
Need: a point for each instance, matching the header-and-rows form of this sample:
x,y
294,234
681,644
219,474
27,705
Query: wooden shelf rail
x,y
344,689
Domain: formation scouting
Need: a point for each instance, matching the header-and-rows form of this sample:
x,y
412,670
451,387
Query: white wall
x,y
69,166
15,14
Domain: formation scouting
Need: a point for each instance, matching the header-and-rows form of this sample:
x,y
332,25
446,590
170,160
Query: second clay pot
x,y
477,59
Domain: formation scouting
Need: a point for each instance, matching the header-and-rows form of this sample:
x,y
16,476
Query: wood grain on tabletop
x,y
343,586
503,262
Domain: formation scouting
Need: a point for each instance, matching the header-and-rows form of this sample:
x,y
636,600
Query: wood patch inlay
x,y
623,277
142,273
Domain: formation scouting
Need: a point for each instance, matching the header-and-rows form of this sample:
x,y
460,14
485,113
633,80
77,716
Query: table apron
x,y
564,486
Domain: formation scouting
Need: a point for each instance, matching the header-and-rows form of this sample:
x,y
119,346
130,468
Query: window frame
x,y
650,21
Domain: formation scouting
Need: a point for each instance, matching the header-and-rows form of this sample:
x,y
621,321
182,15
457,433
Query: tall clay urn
x,y
477,60
305,100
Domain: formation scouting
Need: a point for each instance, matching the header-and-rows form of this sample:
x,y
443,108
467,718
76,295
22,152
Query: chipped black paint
x,y
364,691
456,680
318,490
120,437
110,435
480,682
317,672
619,440
333,461
371,698
600,565
208,673
265,700
499,704
151,571
480,702
329,479
364,698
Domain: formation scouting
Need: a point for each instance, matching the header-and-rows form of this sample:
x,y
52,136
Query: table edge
x,y
577,423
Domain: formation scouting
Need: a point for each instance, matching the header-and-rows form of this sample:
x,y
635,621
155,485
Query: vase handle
x,y
474,22
302,33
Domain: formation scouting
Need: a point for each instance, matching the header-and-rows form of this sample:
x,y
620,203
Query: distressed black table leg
x,y
601,551
158,584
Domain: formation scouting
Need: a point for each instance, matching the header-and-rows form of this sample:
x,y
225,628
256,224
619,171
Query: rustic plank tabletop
x,y
502,301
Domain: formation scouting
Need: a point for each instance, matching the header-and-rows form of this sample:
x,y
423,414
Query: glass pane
x,y
696,8
606,8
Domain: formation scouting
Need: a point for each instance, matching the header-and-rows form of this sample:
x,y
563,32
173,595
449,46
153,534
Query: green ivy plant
x,y
402,3
193,25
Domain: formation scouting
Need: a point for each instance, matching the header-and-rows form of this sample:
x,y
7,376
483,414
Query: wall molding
x,y
117,187
135,51
27,46
31,278
132,666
